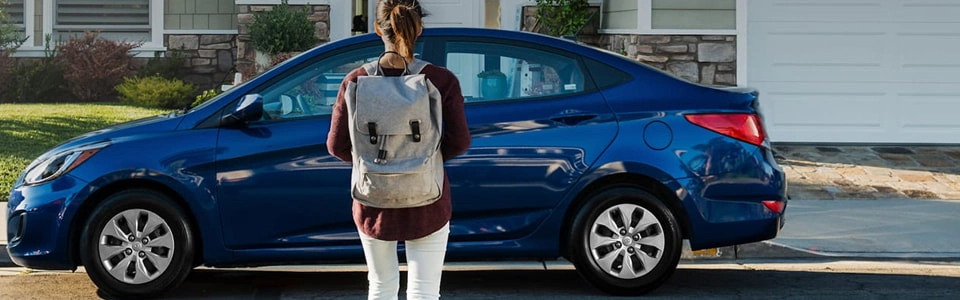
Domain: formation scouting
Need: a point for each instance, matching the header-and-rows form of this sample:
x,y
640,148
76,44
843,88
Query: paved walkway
x,y
871,172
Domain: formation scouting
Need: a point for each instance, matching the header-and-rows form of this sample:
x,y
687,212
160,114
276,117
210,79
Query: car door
x,y
278,186
537,123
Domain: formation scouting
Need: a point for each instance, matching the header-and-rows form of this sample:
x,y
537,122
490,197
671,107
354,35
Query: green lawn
x,y
27,130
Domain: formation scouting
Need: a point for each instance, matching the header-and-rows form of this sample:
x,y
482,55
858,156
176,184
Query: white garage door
x,y
874,71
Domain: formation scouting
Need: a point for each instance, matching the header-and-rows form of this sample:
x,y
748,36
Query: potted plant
x,y
493,84
280,33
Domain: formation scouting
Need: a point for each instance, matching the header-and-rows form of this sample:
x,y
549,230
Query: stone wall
x,y
246,61
210,57
706,59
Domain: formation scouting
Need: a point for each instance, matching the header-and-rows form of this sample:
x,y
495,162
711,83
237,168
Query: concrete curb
x,y
5,260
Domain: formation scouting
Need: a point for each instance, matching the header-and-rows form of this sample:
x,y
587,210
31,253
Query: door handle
x,y
573,119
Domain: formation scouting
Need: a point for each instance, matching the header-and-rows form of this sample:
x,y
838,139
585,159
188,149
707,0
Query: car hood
x,y
167,122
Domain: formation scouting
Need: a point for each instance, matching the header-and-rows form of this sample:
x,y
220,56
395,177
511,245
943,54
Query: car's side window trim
x,y
589,83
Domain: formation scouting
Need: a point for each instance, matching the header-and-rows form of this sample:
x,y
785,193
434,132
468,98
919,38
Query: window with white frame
x,y
14,10
115,19
626,16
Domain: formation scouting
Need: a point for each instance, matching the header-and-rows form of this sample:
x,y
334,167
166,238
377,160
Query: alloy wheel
x,y
626,241
136,246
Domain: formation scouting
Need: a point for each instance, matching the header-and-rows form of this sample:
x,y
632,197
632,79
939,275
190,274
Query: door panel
x,y
531,142
278,185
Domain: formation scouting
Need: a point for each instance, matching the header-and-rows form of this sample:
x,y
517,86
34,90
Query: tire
x,y
127,260
609,255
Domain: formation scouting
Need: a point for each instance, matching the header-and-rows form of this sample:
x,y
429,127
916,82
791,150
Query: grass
x,y
28,130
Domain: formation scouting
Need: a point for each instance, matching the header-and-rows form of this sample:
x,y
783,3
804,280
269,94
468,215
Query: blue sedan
x,y
577,154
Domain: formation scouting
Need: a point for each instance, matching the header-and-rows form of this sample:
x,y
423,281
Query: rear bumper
x,y
727,209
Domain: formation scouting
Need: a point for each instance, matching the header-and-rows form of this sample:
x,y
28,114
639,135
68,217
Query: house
x,y
864,71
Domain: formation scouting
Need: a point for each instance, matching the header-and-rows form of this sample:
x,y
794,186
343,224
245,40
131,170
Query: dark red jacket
x,y
416,222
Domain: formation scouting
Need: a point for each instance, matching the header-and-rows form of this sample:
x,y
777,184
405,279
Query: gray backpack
x,y
395,129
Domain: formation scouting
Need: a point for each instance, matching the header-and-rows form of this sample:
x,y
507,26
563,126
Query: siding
x,y
200,15
619,14
694,14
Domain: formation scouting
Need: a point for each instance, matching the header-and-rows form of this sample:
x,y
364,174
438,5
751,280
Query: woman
x,y
424,229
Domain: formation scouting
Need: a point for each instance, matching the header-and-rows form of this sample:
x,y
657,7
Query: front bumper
x,y
38,224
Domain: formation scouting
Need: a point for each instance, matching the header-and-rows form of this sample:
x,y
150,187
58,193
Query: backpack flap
x,y
392,104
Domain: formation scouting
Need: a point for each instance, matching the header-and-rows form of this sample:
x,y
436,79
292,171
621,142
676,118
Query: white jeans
x,y
424,266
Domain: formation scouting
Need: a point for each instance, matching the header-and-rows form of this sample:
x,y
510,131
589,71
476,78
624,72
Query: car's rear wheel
x,y
625,241
137,243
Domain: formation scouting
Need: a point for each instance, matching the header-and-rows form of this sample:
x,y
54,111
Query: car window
x,y
492,72
312,90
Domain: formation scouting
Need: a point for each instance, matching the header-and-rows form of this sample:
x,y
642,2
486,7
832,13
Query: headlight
x,y
49,167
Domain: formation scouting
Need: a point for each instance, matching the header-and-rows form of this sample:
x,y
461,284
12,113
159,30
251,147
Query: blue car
x,y
577,154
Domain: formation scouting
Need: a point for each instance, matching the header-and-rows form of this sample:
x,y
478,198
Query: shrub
x,y
41,81
6,72
156,91
93,66
282,29
205,96
563,17
170,66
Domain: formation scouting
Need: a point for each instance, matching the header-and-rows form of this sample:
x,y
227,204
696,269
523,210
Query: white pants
x,y
424,266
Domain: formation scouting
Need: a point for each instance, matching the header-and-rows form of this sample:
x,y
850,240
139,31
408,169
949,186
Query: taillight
x,y
775,205
744,127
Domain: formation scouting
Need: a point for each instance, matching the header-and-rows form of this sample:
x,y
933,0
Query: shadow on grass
x,y
31,138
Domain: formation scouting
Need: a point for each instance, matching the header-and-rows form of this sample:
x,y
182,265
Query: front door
x,y
278,185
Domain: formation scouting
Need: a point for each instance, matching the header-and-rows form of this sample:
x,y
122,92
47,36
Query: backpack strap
x,y
417,66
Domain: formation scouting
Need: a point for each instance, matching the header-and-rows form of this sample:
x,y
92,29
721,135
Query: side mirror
x,y
249,109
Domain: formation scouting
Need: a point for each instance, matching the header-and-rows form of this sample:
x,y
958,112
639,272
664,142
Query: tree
x,y
10,36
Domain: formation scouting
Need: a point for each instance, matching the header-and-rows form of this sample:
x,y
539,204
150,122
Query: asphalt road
x,y
728,280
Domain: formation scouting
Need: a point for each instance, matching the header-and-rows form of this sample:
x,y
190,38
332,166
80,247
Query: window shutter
x,y
15,11
117,19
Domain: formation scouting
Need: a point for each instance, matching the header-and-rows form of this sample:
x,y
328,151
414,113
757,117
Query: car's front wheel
x,y
625,241
137,243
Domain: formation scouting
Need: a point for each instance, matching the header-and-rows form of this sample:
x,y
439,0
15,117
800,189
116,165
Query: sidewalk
x,y
878,229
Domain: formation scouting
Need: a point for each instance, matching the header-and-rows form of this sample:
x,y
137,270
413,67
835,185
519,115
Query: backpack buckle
x,y
415,128
372,129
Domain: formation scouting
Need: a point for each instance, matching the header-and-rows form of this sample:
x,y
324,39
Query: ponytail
x,y
400,21
406,26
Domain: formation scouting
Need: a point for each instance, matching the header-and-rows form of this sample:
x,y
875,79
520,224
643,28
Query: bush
x,y
170,66
41,81
6,72
563,17
156,91
205,96
282,29
93,66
